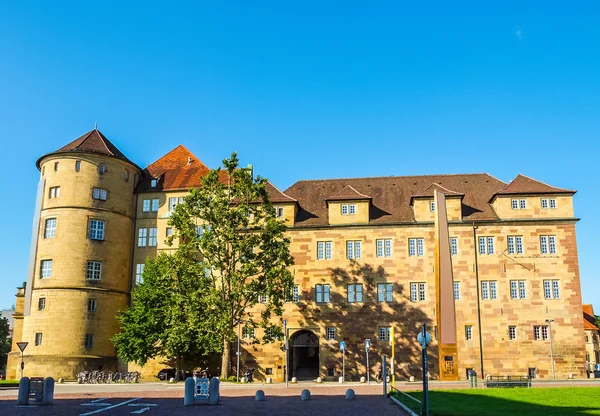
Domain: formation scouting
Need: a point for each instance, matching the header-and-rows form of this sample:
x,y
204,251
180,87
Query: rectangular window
x,y
453,246
99,193
414,293
344,209
544,203
155,203
489,290
322,292
522,203
248,333
456,290
146,205
53,192
126,176
169,231
481,245
55,166
432,206
468,332
174,201
352,209
93,270
142,237
41,304
324,250
385,292
152,234
515,244
263,298
514,203
514,293
552,203
102,169
77,165
355,293
490,245
519,244
552,244
279,212
38,338
540,332
96,230
89,340
548,244
153,183
353,249
555,289
330,333
512,332
91,306
45,269
493,291
522,291
384,333
139,272
383,247
415,247
551,289
485,290
50,228
422,292
296,294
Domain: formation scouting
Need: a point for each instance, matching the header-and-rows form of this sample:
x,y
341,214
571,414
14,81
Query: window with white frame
x,y
518,203
353,249
512,332
169,231
468,332
416,247
102,169
384,333
383,247
50,228
489,290
91,306
99,193
45,269
456,290
355,293
174,201
522,203
89,340
453,246
93,270
248,332
552,203
263,298
142,237
296,294
540,332
38,338
551,289
322,293
385,292
279,212
548,244
432,206
486,245
77,165
139,273
323,250
53,192
330,333
152,236
517,289
96,230
348,209
515,244
41,304
514,203
155,203
146,205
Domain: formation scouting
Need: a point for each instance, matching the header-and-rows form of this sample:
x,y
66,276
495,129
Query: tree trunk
x,y
225,358
178,368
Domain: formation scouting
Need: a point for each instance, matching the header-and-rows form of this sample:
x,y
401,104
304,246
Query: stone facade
x,y
386,224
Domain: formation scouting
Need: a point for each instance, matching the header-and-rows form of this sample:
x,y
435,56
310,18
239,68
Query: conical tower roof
x,y
91,142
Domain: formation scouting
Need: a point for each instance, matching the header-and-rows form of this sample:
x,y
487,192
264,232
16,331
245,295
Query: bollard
x,y
23,398
341,379
305,395
213,391
244,380
350,394
294,380
269,380
363,380
319,380
412,378
48,394
60,381
260,396
172,380
189,394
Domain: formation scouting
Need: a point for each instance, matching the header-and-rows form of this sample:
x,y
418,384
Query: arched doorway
x,y
303,360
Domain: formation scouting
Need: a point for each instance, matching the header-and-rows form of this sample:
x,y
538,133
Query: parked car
x,y
169,373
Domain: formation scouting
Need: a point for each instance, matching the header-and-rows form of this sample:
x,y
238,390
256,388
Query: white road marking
x,y
143,404
98,400
95,404
109,407
142,410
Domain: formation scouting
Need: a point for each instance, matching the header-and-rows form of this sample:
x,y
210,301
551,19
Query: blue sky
x,y
306,90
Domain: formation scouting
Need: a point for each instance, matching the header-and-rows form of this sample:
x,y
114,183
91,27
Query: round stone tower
x,y
81,263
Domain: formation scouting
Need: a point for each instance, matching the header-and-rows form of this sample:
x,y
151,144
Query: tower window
x,y
77,165
45,269
53,192
41,304
89,340
38,338
96,230
50,228
91,306
94,270
102,169
126,176
55,166
99,193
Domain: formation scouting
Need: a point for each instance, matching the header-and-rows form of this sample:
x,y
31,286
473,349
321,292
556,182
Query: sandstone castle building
x,y
363,250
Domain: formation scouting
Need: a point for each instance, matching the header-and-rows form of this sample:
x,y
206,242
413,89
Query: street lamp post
x,y
549,322
238,352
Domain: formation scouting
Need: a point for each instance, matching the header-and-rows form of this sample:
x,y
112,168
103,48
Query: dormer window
x,y
519,203
548,203
432,206
153,183
348,209
279,212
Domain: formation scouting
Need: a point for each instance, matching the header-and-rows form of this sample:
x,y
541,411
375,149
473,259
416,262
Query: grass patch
x,y
9,382
514,401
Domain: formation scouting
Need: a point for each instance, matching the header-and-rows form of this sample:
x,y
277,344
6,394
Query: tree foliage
x,y
5,342
230,224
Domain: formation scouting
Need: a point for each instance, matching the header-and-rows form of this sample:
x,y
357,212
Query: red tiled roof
x,y
177,170
589,319
348,193
276,195
428,192
525,185
91,142
391,196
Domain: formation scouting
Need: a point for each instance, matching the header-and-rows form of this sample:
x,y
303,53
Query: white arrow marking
x,y
143,404
109,407
142,410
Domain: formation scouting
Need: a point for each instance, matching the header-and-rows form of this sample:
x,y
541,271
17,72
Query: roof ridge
x,y
353,189
398,176
281,192
103,139
543,183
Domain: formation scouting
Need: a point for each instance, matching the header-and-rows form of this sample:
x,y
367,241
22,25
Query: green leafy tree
x,y
5,342
598,321
167,312
230,222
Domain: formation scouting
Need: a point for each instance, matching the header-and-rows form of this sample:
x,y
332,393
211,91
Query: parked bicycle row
x,y
99,377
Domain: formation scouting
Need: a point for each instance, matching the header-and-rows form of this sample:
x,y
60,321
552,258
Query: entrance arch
x,y
303,360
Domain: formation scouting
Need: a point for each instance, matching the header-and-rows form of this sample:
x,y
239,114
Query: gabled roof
x,y
348,193
177,170
391,196
276,195
91,142
525,185
589,319
428,192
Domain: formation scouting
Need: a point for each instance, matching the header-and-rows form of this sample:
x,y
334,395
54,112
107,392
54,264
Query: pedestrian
x,y
587,368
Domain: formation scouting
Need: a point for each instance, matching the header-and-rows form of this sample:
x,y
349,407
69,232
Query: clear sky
x,y
306,90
